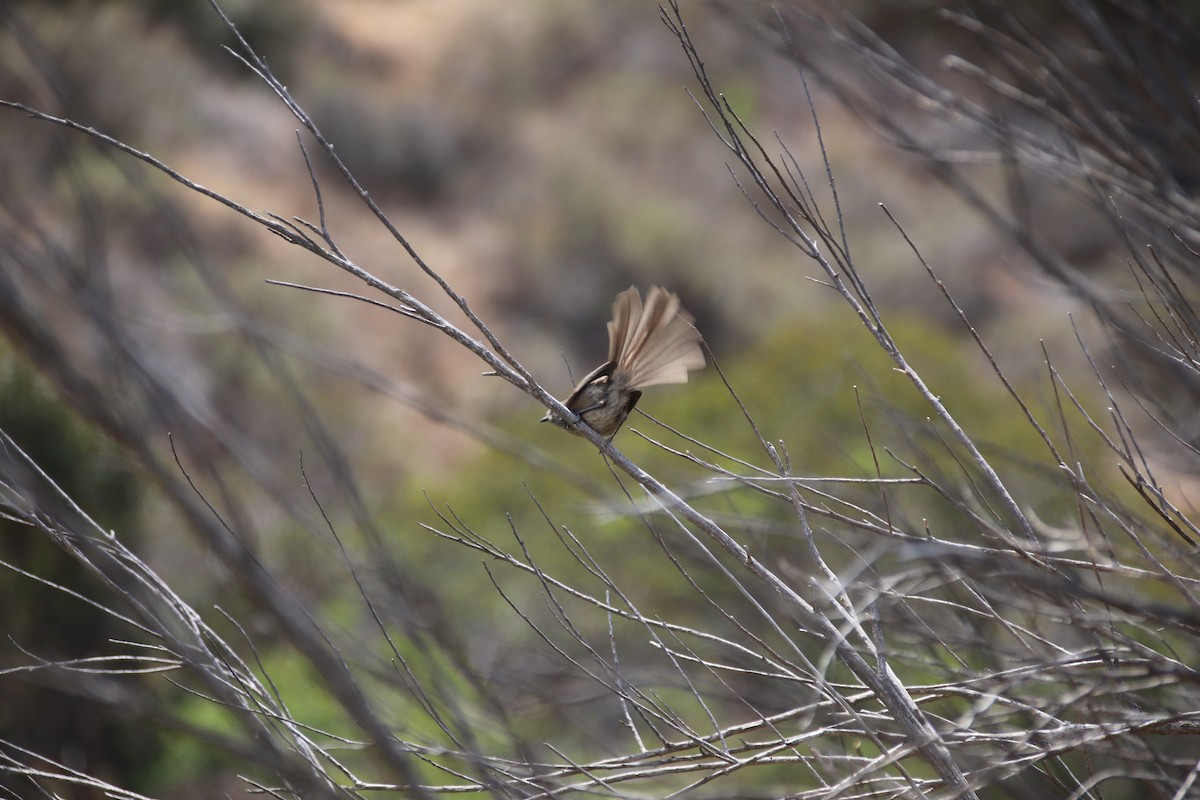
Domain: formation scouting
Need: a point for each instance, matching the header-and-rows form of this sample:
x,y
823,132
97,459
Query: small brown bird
x,y
647,345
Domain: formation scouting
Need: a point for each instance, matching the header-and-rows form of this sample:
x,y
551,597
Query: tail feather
x,y
627,311
655,343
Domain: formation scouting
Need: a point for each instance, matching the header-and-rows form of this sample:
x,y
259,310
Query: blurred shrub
x,y
802,386
40,711
407,150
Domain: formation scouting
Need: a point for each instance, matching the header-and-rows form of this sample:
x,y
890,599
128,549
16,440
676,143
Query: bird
x,y
648,344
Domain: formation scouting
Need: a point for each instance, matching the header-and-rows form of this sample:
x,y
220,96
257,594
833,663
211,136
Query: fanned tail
x,y
655,343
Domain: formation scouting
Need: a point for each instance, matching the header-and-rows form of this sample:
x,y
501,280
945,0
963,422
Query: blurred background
x,y
541,155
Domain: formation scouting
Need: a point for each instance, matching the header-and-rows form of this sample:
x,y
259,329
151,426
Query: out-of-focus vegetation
x,y
42,622
353,527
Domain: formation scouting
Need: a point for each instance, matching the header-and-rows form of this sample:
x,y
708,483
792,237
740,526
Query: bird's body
x,y
647,345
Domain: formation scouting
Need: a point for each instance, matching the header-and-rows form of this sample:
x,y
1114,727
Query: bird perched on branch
x,y
647,345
